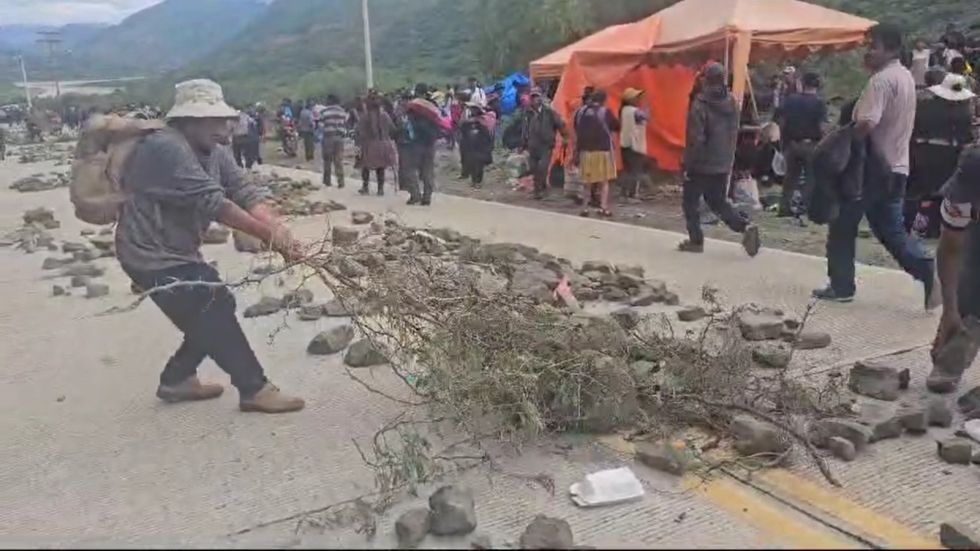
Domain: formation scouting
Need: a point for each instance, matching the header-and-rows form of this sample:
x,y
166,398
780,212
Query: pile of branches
x,y
503,365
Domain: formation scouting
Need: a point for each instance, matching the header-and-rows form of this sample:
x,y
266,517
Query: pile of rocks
x,y
885,416
452,513
40,182
61,153
777,335
880,418
33,235
290,195
82,275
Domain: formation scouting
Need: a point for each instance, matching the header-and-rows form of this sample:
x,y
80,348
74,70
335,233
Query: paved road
x,y
91,458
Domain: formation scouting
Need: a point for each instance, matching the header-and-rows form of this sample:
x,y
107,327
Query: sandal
x,y
605,213
585,213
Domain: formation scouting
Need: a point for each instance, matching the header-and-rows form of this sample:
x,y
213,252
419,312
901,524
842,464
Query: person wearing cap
x,y
709,155
178,180
958,260
787,84
633,142
802,119
539,126
943,126
885,116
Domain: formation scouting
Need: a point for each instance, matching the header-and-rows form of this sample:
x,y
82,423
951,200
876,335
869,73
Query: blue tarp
x,y
508,91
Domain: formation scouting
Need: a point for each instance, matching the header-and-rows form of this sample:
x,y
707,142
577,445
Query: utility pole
x,y
27,86
368,61
52,39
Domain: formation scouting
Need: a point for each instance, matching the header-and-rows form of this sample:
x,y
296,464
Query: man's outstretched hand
x,y
285,244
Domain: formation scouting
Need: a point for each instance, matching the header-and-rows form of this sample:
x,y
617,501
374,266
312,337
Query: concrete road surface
x,y
91,458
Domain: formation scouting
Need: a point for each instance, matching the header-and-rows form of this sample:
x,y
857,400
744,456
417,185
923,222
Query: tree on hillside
x,y
512,33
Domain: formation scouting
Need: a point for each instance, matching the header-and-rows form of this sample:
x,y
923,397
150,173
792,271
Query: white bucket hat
x,y
200,99
953,88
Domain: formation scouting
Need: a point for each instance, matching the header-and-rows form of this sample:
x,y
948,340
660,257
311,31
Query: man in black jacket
x,y
802,118
712,129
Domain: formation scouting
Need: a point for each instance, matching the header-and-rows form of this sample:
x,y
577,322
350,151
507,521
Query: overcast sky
x,y
59,12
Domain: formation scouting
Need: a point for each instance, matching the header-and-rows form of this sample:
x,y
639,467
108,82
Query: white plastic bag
x,y
779,164
745,192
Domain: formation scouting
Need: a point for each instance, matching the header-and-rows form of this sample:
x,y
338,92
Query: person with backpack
x,y
594,129
424,128
176,181
540,123
709,155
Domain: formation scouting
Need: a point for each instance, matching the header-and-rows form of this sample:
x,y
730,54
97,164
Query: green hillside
x,y
308,43
299,48
167,35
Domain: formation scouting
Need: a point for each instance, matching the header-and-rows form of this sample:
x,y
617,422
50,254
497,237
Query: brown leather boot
x,y
271,400
191,390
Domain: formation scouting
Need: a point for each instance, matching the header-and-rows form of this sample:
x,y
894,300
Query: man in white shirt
x,y
633,142
477,95
885,114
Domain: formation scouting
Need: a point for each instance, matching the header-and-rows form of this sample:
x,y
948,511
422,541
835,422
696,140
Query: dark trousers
x,y
402,169
366,178
238,146
882,205
308,144
333,159
464,162
634,174
252,153
712,188
420,165
475,171
206,317
539,162
969,291
799,159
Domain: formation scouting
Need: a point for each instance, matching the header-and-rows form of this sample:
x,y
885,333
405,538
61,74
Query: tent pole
x,y
727,47
755,104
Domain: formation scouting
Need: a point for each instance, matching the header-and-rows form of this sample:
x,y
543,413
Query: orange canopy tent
x,y
659,55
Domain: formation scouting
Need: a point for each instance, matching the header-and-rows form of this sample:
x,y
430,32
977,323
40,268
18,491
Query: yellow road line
x,y
780,523
785,526
884,530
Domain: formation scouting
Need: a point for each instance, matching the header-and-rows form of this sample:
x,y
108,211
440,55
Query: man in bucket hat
x,y
178,180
